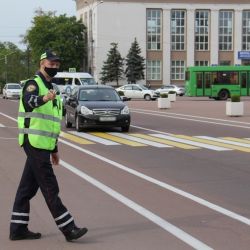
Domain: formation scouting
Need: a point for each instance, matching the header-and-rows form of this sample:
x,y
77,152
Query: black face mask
x,y
51,71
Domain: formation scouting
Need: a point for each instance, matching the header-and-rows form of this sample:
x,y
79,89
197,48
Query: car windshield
x,y
88,81
13,86
99,95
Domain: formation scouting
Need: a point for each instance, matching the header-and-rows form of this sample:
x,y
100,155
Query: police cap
x,y
50,55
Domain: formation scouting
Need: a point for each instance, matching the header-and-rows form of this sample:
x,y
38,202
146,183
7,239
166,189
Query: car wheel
x,y
78,128
67,123
147,97
3,96
125,128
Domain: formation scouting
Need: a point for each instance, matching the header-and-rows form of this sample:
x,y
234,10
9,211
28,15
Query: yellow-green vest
x,y
45,121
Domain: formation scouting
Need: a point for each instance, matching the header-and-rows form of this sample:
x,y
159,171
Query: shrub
x,y
172,92
164,95
120,93
235,98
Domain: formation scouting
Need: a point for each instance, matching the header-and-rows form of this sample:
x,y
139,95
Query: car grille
x,y
106,112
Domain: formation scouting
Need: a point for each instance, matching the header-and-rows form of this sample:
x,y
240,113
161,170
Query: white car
x,y
12,90
137,91
166,88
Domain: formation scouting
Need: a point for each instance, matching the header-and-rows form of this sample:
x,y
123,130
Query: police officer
x,y
39,118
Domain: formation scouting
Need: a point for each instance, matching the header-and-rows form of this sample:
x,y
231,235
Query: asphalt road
x,y
180,179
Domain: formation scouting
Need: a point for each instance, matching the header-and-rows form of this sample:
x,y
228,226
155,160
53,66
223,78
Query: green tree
x,y
135,64
62,34
14,64
112,69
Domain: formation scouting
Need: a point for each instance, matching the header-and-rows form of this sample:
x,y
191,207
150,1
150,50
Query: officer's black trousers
x,y
38,173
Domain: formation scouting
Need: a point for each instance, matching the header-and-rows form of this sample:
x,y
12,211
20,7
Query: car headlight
x,y
125,111
86,111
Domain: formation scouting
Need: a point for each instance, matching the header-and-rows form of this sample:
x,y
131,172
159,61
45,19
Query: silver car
x,y
166,88
12,90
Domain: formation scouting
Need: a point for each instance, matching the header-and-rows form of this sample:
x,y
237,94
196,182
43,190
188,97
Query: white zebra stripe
x,y
94,138
225,141
198,144
144,141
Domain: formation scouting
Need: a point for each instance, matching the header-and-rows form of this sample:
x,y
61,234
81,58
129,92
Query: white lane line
x,y
172,229
194,143
193,116
193,120
13,119
94,138
241,144
147,142
1,125
164,185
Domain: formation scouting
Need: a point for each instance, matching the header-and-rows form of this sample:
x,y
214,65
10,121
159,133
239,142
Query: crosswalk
x,y
158,140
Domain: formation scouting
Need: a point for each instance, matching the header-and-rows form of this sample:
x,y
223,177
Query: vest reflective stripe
x,y
38,115
37,132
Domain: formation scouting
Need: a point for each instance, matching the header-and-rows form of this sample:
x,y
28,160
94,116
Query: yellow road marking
x,y
237,139
165,141
75,138
118,139
220,144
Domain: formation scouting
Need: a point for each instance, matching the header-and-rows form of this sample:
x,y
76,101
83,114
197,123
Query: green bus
x,y
218,82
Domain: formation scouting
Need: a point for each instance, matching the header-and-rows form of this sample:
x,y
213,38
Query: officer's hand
x,y
55,158
50,96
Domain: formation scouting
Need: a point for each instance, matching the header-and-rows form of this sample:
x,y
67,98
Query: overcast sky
x,y
16,16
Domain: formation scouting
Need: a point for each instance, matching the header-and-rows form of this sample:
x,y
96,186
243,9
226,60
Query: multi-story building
x,y
172,34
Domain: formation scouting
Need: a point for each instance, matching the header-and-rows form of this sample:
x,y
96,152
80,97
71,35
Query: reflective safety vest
x,y
45,121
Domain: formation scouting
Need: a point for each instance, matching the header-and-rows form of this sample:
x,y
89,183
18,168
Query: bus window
x,y
243,80
199,80
227,77
207,80
187,76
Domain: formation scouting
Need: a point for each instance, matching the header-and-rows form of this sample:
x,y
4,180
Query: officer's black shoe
x,y
75,233
27,235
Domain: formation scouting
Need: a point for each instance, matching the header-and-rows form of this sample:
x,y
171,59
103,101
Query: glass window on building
x,y
245,62
202,30
153,70
154,29
178,29
225,30
177,70
246,30
201,63
226,63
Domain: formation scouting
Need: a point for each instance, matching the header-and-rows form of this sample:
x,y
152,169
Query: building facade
x,y
172,34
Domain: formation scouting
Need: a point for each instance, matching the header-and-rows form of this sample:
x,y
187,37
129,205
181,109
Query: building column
x,y
190,42
237,35
166,46
214,38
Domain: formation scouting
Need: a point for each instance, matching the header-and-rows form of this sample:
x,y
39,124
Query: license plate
x,y
107,119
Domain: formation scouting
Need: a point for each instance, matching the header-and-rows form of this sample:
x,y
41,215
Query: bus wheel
x,y
223,95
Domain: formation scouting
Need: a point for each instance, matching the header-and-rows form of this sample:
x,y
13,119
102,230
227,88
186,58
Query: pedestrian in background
x,y
39,121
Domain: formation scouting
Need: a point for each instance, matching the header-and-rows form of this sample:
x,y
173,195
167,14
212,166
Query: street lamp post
x,y
91,37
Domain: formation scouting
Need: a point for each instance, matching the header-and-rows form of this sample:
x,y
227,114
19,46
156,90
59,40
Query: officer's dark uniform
x,y
38,173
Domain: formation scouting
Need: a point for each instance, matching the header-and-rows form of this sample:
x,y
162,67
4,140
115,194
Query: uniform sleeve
x,y
31,98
